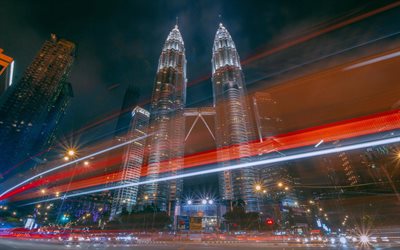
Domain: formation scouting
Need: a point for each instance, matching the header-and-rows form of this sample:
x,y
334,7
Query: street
x,y
43,245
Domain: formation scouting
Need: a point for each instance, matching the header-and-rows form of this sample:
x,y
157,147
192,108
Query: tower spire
x,y
176,22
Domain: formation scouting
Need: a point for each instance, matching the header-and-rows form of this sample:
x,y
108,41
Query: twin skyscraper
x,y
165,147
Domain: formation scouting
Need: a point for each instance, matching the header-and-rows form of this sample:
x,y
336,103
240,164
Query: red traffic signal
x,y
269,222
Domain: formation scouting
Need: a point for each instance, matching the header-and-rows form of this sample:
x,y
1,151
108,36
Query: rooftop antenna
x,y
220,19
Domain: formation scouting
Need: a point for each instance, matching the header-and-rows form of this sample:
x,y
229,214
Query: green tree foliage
x,y
239,219
148,219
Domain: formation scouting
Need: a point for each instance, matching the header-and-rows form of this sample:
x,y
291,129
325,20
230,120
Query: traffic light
x,y
269,222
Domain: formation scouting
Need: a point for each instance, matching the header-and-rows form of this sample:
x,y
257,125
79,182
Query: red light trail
x,y
367,125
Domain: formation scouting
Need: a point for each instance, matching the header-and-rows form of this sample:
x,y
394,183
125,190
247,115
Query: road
x,y
9,244
42,245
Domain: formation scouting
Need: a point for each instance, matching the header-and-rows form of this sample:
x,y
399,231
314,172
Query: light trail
x,y
73,162
237,166
321,32
319,143
375,60
356,127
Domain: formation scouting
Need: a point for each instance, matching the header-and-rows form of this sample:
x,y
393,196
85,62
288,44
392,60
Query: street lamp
x,y
280,184
66,158
258,187
86,163
189,202
204,202
71,152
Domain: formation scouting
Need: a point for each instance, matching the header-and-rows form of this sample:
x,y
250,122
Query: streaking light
x,y
73,162
374,60
237,166
319,143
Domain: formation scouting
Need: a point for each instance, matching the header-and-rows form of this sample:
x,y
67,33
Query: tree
x,y
239,219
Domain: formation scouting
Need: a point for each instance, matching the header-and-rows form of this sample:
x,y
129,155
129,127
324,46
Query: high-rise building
x,y
233,125
133,160
167,124
31,109
281,198
6,72
130,101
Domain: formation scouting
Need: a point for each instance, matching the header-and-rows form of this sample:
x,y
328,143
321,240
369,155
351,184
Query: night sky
x,y
119,42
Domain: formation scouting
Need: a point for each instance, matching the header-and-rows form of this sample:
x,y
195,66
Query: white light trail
x,y
73,162
374,60
319,143
238,166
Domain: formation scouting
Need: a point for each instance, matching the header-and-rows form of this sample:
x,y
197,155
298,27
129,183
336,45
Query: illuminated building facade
x,y
6,72
233,126
32,108
167,124
280,200
133,160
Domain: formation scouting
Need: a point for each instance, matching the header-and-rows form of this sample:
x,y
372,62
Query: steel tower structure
x,y
167,123
233,125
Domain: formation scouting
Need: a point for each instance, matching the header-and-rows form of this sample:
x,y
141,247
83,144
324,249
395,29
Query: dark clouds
x,y
119,42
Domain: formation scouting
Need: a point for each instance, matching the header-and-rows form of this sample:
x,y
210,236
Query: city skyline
x,y
211,121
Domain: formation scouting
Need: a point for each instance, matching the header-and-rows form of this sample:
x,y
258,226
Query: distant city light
x,y
189,202
66,158
86,163
258,187
204,201
210,202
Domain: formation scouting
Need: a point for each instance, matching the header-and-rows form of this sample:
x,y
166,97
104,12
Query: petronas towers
x,y
164,156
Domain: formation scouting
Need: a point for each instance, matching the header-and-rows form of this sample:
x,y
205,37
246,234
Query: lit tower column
x,y
233,126
167,123
132,166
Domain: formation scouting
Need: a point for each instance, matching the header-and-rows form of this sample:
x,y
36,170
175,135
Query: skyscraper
x,y
133,160
233,125
130,100
167,123
6,72
32,108
277,179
